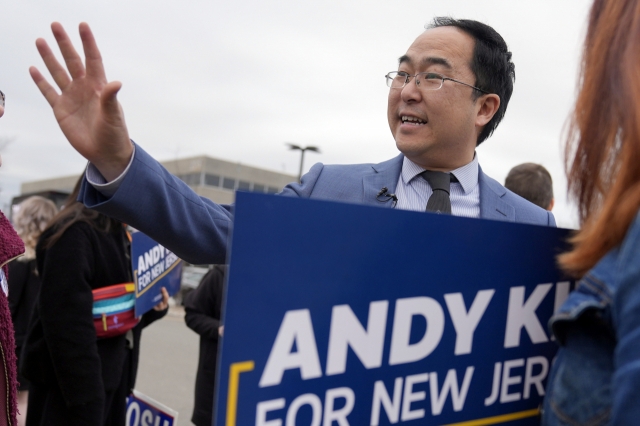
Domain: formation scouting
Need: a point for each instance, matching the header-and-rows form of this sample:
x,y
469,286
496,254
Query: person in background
x,y
533,183
202,314
77,378
30,220
595,379
11,246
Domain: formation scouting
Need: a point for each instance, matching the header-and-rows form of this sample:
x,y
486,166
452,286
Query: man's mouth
x,y
407,119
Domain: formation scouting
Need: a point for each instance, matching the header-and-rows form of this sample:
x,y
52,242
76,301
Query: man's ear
x,y
487,107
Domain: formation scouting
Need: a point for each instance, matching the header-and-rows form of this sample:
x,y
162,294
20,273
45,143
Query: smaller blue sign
x,y
144,411
154,267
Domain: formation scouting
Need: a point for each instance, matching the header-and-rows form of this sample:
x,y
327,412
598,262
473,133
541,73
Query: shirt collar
x,y
467,175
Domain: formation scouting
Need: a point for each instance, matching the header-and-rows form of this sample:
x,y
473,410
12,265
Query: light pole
x,y
302,150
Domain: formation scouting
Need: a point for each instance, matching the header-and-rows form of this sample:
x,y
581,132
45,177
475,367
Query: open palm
x,y
87,109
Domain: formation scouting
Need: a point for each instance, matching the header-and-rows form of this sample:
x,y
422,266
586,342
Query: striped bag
x,y
114,309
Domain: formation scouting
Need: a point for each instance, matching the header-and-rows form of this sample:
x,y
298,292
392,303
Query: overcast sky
x,y
236,80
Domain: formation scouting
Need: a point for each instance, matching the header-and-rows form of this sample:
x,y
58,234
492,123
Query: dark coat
x,y
202,314
24,286
77,379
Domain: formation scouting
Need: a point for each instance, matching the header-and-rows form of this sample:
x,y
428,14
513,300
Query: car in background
x,y
191,277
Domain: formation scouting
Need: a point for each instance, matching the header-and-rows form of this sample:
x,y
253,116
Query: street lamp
x,y
302,150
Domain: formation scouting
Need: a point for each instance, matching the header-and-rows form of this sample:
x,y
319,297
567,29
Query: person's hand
x,y
221,330
87,109
165,301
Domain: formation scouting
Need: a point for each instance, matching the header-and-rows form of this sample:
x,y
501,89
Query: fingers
x,y
46,89
95,67
165,300
73,61
71,57
56,70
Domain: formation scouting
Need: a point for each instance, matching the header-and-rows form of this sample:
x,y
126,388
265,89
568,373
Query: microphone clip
x,y
384,195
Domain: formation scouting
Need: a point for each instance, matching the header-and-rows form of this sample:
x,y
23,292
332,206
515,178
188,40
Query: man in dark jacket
x,y
202,315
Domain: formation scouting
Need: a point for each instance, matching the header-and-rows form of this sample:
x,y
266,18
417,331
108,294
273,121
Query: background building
x,y
209,177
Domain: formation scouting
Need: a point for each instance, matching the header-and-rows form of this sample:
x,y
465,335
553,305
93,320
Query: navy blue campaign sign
x,y
145,411
154,267
340,314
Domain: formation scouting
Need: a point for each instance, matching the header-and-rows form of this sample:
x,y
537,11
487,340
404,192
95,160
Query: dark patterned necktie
x,y
439,201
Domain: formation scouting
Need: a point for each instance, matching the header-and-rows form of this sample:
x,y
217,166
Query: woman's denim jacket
x,y
595,379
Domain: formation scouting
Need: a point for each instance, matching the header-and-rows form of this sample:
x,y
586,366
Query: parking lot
x,y
168,362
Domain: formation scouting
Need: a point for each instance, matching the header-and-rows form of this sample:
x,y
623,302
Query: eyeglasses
x,y
424,80
2,99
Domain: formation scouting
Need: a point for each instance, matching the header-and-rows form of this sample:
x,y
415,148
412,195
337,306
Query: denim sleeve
x,y
625,388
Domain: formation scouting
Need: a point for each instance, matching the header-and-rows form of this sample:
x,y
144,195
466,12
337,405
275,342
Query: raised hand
x,y
87,108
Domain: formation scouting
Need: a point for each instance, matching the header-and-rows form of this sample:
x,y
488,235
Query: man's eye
x,y
432,76
402,74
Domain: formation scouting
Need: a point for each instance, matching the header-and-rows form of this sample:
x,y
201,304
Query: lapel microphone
x,y
384,195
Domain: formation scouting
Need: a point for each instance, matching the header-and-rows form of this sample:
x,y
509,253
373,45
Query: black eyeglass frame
x,y
440,76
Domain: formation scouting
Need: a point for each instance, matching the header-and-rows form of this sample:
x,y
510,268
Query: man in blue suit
x,y
448,95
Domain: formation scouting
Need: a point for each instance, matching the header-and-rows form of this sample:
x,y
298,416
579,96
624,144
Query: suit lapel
x,y
382,175
492,206
386,174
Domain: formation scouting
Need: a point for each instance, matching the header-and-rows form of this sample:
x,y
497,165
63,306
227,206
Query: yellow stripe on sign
x,y
152,283
497,419
234,385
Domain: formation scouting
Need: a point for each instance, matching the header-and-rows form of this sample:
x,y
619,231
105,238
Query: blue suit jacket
x,y
198,230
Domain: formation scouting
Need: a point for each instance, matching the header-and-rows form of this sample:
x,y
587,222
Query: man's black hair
x,y
532,182
491,64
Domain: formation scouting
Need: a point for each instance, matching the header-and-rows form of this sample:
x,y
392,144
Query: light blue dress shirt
x,y
95,178
413,191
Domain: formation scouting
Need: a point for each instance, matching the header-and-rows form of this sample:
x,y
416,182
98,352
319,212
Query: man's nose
x,y
411,91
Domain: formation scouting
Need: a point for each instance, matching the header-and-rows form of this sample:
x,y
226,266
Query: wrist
x,y
113,167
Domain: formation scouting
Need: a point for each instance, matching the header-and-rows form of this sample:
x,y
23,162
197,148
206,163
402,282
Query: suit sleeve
x,y
151,199
65,305
202,312
304,189
159,204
